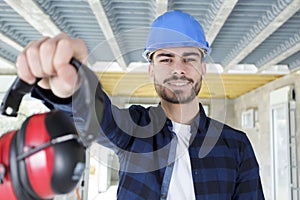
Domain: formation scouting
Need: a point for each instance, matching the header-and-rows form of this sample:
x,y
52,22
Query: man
x,y
172,151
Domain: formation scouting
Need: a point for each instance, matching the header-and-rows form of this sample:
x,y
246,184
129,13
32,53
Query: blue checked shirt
x,y
223,163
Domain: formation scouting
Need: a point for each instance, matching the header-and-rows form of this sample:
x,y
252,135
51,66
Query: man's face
x,y
177,73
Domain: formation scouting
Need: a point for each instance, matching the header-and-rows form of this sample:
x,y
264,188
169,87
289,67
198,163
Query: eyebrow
x,y
190,54
171,55
165,55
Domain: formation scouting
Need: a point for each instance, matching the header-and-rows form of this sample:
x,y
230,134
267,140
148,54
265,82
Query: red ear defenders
x,y
42,159
46,157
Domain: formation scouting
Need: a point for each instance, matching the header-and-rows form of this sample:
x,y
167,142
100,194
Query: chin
x,y
176,96
178,99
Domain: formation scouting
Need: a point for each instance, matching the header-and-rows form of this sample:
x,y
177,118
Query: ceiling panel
x,y
8,52
77,19
284,38
130,21
244,16
13,26
292,61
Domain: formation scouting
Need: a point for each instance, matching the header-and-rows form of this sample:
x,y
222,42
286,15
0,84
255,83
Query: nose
x,y
178,66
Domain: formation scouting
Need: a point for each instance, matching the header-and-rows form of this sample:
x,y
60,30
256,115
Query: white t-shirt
x,y
181,183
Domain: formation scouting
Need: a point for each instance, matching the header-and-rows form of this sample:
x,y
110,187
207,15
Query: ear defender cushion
x,y
15,173
69,162
20,144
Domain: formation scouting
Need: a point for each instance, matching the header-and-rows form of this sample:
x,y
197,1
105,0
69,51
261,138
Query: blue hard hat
x,y
175,29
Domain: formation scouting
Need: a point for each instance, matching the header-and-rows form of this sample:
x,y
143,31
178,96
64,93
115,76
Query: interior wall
x,y
260,135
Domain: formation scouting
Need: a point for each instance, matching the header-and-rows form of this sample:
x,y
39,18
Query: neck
x,y
181,113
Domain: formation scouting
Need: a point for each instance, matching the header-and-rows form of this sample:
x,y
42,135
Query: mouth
x,y
178,82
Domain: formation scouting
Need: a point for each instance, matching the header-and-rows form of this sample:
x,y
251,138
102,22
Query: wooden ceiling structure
x,y
214,85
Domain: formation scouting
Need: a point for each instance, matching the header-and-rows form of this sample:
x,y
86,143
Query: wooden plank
x,y
214,85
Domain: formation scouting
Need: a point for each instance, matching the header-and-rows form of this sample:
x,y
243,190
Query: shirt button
x,y
163,196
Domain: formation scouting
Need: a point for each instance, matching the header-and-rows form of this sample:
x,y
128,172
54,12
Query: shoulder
x,y
143,116
232,137
234,142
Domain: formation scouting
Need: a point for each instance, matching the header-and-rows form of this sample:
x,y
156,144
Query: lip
x,y
178,83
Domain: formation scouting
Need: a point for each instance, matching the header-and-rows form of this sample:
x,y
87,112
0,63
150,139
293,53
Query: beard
x,y
178,96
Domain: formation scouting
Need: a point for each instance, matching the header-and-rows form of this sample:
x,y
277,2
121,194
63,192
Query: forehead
x,y
177,51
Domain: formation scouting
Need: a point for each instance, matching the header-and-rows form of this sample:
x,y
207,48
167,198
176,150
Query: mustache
x,y
176,78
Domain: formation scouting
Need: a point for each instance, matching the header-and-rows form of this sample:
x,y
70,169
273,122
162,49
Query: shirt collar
x,y
199,122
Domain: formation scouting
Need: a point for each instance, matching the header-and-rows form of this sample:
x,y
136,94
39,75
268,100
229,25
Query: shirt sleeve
x,y
92,112
248,185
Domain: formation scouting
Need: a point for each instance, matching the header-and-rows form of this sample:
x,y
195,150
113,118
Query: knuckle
x,y
80,41
20,63
64,43
49,71
47,46
37,72
25,75
32,51
20,58
63,35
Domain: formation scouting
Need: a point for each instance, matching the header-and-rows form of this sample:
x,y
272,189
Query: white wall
x,y
260,136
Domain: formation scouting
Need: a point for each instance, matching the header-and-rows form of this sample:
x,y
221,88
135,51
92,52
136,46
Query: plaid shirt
x,y
223,163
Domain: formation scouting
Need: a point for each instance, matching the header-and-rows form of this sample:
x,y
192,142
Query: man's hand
x,y
49,59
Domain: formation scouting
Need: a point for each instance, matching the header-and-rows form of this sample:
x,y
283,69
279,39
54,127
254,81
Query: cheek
x,y
160,73
197,72
196,69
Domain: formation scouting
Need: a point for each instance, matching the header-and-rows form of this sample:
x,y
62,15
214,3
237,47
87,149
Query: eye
x,y
165,60
189,60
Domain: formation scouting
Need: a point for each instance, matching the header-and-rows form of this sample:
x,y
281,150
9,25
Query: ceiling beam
x,y
35,16
10,42
161,7
295,65
105,26
7,67
237,54
277,58
219,20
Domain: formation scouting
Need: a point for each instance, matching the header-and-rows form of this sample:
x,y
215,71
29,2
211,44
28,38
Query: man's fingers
x,y
33,58
65,83
47,51
68,48
49,59
81,52
63,54
23,69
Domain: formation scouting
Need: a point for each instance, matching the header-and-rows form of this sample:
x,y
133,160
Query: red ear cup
x,y
6,185
43,158
36,170
21,192
69,159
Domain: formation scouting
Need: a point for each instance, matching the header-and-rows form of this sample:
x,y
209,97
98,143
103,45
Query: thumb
x,y
66,82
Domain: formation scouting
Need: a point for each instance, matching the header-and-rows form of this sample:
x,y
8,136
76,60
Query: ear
x,y
203,70
150,72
